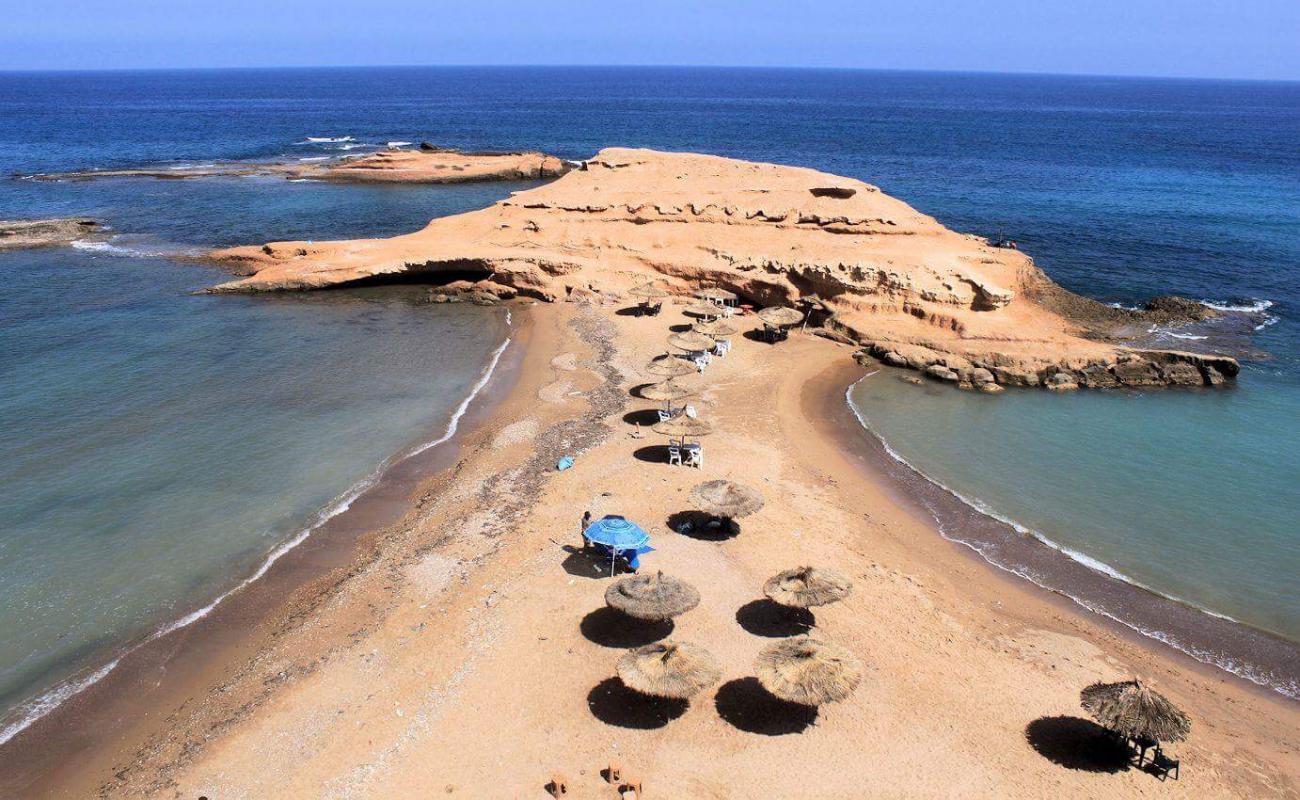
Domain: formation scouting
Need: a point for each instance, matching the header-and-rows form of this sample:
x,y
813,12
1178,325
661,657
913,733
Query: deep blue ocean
x,y
131,409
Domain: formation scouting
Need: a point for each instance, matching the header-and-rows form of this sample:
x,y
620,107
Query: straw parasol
x,y
805,587
667,366
654,597
648,292
726,499
667,391
691,342
780,315
716,295
1131,709
808,671
716,328
683,427
669,669
703,309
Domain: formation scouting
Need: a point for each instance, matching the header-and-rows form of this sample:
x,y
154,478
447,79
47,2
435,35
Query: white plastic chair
x,y
664,416
674,455
695,456
722,347
690,412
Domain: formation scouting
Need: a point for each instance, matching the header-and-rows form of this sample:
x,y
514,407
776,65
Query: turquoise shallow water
x,y
1182,492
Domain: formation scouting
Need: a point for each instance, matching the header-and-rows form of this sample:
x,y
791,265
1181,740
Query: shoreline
x,y
99,686
1258,657
506,593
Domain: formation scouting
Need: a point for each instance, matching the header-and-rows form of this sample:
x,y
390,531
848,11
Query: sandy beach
x,y
445,636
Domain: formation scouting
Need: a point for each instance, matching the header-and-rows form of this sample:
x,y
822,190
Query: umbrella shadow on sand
x,y
1076,743
654,454
609,627
645,417
746,705
766,618
613,703
699,525
586,563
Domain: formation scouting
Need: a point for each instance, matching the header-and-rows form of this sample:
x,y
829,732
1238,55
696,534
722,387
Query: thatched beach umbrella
x,y
669,669
805,587
716,295
808,671
683,427
691,342
1131,709
726,499
716,328
780,316
668,366
667,391
648,292
703,309
652,597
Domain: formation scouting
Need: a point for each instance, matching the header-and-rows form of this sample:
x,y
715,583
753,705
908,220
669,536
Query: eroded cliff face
x,y
895,280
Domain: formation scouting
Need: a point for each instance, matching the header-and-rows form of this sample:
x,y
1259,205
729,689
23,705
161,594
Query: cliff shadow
x,y
744,704
1076,743
610,627
611,702
767,618
699,525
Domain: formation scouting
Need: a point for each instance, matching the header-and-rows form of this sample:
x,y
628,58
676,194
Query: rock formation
x,y
894,280
16,234
386,166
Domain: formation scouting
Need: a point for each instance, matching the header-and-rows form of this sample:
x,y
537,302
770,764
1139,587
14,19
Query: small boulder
x,y
941,373
980,376
991,388
1061,382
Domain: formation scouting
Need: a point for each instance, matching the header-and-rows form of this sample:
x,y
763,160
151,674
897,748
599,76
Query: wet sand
x,y
462,649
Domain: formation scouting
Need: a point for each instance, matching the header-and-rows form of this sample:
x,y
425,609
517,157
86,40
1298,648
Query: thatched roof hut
x,y
682,427
808,671
804,587
691,342
667,366
716,295
780,316
726,499
1136,711
667,391
669,669
652,597
715,328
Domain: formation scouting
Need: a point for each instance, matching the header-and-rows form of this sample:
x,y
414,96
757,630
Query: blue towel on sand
x,y
564,463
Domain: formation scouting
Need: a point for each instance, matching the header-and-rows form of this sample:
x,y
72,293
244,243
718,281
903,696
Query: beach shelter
x,y
703,309
683,427
676,670
726,499
652,597
717,296
805,587
618,537
670,366
691,342
1135,711
780,316
808,671
648,292
668,391
717,328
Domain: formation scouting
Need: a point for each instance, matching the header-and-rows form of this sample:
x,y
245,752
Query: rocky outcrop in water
x,y
880,273
18,234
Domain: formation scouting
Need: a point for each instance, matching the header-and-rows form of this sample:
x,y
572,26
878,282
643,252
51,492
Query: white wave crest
x,y
1253,307
327,139
399,144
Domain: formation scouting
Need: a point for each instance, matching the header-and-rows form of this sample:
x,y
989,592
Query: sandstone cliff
x,y
890,278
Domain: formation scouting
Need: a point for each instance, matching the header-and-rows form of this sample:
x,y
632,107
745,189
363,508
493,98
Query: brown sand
x,y
464,652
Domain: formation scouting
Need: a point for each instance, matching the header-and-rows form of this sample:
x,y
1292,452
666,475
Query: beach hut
x,y
777,318
670,366
652,597
1135,711
691,342
618,538
726,499
676,670
808,671
805,587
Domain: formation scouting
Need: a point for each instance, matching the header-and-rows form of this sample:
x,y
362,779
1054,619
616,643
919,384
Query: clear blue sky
x,y
1187,38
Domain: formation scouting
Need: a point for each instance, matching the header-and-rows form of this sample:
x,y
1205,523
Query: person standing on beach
x,y
582,530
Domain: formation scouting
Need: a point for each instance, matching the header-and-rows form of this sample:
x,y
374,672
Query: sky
x,y
1257,39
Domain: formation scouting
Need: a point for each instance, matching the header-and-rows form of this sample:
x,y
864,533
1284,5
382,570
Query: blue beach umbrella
x,y
620,537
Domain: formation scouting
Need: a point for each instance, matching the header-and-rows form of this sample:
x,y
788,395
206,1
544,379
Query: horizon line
x,y
756,67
